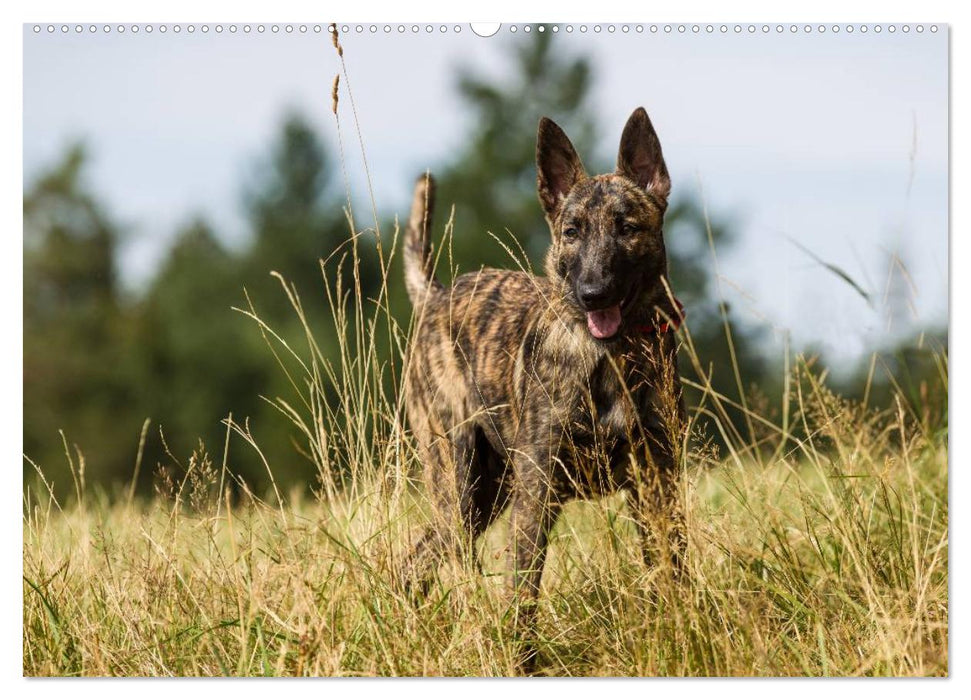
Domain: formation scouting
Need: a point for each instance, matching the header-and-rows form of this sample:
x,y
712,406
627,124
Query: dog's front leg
x,y
657,506
657,449
532,514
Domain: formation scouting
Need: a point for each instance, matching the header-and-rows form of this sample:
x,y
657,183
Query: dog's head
x,y
607,245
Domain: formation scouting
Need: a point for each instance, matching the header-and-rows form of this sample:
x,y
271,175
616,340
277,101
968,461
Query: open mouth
x,y
603,324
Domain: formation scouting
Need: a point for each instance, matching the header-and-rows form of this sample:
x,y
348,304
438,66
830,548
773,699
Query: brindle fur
x,y
510,397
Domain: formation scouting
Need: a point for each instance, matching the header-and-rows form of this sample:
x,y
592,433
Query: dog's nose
x,y
594,295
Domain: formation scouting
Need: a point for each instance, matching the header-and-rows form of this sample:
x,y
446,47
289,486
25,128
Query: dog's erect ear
x,y
557,164
640,159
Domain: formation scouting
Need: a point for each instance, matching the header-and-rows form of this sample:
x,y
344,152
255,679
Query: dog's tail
x,y
419,277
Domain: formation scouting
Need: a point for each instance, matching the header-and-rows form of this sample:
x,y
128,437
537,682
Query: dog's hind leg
x,y
451,474
490,488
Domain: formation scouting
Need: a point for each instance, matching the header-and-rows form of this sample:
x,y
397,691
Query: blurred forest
x,y
98,362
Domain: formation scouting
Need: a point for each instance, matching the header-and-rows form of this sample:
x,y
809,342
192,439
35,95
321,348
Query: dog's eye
x,y
628,229
570,233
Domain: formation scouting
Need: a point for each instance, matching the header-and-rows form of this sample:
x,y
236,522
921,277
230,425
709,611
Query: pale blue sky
x,y
836,141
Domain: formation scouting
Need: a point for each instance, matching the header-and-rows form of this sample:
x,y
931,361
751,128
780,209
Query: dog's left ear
x,y
558,166
640,159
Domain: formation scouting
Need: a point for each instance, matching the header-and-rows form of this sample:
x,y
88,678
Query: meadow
x,y
817,548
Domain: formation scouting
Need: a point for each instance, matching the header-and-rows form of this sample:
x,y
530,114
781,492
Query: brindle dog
x,y
531,390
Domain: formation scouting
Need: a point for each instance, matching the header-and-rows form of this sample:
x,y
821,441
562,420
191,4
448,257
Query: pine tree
x,y
78,359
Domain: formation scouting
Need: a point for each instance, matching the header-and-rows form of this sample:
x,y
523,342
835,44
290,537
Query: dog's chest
x,y
601,394
612,408
605,420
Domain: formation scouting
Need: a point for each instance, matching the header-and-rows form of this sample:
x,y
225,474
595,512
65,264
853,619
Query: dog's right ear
x,y
558,166
640,159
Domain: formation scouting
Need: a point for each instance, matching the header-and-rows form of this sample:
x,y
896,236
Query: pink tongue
x,y
604,323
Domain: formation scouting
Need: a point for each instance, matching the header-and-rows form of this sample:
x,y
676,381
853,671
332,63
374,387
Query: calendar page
x,y
424,349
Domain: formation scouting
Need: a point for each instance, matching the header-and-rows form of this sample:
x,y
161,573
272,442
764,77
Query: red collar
x,y
665,326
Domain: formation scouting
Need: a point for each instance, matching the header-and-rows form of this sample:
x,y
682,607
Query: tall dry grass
x,y
822,549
